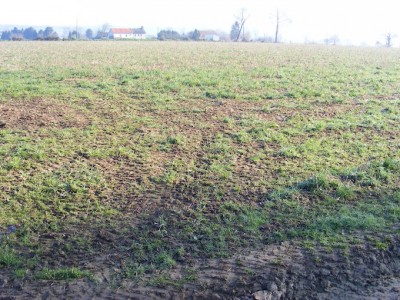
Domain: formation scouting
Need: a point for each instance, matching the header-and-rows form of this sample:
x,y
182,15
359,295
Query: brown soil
x,y
278,113
133,179
284,271
39,113
213,112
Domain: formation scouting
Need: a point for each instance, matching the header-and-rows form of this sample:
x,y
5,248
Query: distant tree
x,y
235,31
16,34
74,35
105,27
103,32
333,40
89,34
15,30
30,34
48,32
389,37
168,35
40,35
265,39
194,35
53,36
388,40
241,20
6,35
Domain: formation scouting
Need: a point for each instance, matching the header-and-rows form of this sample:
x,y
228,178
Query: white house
x,y
209,35
139,33
120,33
127,33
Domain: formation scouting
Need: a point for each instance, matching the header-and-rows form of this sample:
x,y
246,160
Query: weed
x,y
164,280
20,273
391,164
134,271
314,183
62,274
345,192
8,258
381,245
165,261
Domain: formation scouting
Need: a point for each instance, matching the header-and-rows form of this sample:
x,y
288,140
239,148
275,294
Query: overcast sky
x,y
352,20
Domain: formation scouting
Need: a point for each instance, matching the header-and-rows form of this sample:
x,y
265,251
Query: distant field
x,y
133,161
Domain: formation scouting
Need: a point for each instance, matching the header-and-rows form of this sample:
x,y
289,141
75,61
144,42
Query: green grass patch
x,y
8,257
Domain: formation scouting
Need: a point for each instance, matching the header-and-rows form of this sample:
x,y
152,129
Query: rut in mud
x,y
284,271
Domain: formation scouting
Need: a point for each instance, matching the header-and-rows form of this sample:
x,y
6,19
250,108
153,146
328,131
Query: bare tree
x,y
280,19
388,39
332,40
103,32
241,19
335,39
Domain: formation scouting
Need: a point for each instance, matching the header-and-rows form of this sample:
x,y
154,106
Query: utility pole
x,y
76,29
277,26
280,19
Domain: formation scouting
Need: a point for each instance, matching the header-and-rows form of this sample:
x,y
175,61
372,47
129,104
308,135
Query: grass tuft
x,y
62,274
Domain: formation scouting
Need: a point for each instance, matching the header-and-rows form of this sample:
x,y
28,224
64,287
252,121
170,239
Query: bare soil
x,y
284,271
40,113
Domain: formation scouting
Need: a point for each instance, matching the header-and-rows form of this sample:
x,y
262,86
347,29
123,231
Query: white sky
x,y
352,20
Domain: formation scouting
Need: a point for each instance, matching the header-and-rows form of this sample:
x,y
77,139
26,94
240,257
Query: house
x,y
120,33
127,33
139,33
209,35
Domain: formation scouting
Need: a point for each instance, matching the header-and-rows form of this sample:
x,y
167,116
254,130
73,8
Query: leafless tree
x,y
103,32
241,19
388,39
280,19
333,40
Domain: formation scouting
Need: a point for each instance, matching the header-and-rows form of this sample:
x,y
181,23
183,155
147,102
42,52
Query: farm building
x,y
127,33
209,35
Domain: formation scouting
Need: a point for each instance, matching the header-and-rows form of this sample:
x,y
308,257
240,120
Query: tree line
x,y
164,35
237,33
49,34
30,33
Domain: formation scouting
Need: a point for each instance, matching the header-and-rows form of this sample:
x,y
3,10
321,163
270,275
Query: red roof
x,y
121,30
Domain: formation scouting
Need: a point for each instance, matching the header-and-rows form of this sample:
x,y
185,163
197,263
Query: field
x,y
198,170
